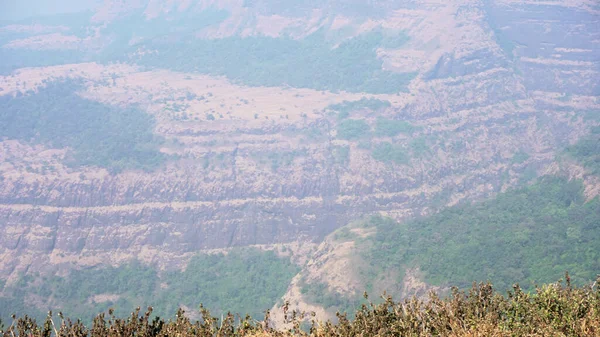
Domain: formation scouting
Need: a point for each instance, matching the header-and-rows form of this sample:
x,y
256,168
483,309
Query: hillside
x,y
555,309
142,139
528,234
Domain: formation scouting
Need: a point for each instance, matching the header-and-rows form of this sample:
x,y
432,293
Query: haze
x,y
241,154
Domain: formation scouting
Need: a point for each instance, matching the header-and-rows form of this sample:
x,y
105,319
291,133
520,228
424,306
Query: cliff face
x,y
494,79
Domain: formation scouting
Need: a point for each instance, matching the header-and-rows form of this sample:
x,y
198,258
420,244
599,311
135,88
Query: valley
x,y
209,127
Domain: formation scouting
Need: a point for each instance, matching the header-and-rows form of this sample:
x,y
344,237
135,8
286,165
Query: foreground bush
x,y
552,310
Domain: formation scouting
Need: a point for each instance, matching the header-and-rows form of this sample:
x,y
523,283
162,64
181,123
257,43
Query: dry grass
x,y
553,310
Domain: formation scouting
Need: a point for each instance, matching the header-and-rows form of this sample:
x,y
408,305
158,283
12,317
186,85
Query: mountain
x,y
143,143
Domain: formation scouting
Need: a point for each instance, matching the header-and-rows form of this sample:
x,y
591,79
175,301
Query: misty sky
x,y
22,9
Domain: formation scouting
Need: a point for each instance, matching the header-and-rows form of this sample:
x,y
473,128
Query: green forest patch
x,y
391,128
390,153
587,151
98,134
353,129
245,281
529,236
311,62
346,107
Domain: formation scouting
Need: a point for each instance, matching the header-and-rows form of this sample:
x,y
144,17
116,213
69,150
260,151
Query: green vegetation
x,y
346,107
419,147
183,23
592,115
313,134
132,282
528,174
283,158
344,234
587,152
242,281
553,310
319,293
364,144
19,58
394,40
520,157
245,281
353,129
391,128
335,64
527,235
98,134
263,61
341,155
213,160
387,153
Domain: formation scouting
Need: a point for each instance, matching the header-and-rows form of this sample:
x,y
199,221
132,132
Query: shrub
x,y
390,128
352,129
386,152
346,107
552,310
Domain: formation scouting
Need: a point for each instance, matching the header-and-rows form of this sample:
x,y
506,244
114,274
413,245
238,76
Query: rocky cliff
x,y
499,87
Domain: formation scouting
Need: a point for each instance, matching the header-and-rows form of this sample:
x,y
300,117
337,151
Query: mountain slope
x,y
264,123
532,235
